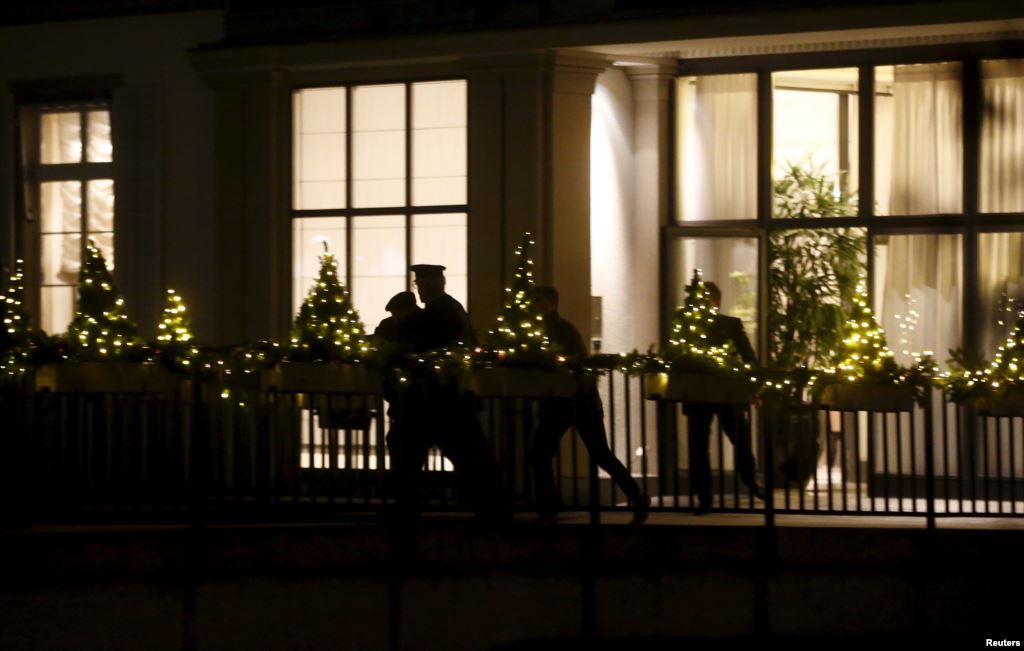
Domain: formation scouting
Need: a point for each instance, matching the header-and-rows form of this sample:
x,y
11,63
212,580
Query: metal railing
x,y
148,457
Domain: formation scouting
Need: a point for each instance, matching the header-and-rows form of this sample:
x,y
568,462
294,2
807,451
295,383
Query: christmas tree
x,y
15,339
327,327
175,340
518,338
1007,369
865,354
688,345
100,330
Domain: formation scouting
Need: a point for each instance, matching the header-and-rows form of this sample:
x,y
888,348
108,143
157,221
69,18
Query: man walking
x,y
557,415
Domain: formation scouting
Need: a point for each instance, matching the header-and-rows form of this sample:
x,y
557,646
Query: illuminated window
x,y
915,157
379,175
69,159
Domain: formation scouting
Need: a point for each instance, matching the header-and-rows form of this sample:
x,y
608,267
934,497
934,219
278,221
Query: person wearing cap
x,y
444,321
433,412
403,310
557,415
732,419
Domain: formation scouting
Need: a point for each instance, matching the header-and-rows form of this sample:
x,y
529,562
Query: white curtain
x,y
918,276
1001,188
718,138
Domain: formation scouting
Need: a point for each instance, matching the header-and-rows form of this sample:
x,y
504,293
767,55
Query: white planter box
x,y
322,377
698,387
519,383
106,377
1010,403
867,397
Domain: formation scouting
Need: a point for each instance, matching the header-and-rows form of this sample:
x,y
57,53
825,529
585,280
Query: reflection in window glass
x,y
729,262
1002,137
439,143
441,239
378,265
318,148
378,146
716,147
60,138
918,293
1001,291
309,235
814,141
918,139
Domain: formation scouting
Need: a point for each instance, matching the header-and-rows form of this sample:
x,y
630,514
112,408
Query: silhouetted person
x,y
432,411
403,310
558,414
732,419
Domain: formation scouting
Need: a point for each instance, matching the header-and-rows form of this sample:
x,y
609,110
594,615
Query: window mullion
x,y
350,174
408,182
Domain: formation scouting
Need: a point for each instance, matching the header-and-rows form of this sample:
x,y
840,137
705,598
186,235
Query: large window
x,y
916,159
379,176
67,155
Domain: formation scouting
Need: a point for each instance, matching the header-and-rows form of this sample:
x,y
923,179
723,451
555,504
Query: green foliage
x,y
175,343
689,347
16,339
101,329
327,327
518,339
813,272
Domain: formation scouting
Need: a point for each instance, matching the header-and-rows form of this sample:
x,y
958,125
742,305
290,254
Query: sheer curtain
x,y
1001,188
918,280
719,145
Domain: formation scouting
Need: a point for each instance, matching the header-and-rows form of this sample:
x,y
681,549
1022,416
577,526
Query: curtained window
x,y
66,154
380,176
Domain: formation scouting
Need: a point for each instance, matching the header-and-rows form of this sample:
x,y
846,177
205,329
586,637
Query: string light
x,y
689,347
865,354
175,340
327,327
15,345
518,338
100,329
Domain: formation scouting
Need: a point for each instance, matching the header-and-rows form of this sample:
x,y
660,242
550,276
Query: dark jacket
x,y
729,328
442,322
563,334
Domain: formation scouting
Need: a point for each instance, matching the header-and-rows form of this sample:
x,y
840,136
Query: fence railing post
x,y
929,457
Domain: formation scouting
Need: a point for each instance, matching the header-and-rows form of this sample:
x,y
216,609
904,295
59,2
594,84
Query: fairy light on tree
x,y
175,339
519,334
17,331
865,352
1007,369
101,329
327,327
688,343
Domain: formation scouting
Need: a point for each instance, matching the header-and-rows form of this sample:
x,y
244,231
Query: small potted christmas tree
x,y
328,353
693,369
104,351
517,360
1004,378
867,377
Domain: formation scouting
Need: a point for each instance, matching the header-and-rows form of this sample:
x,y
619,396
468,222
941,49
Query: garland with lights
x,y
327,327
971,377
175,342
16,337
865,355
101,329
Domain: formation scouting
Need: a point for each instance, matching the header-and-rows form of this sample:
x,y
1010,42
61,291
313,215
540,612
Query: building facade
x,y
217,150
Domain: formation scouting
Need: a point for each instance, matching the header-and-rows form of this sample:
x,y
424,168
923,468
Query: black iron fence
x,y
205,453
